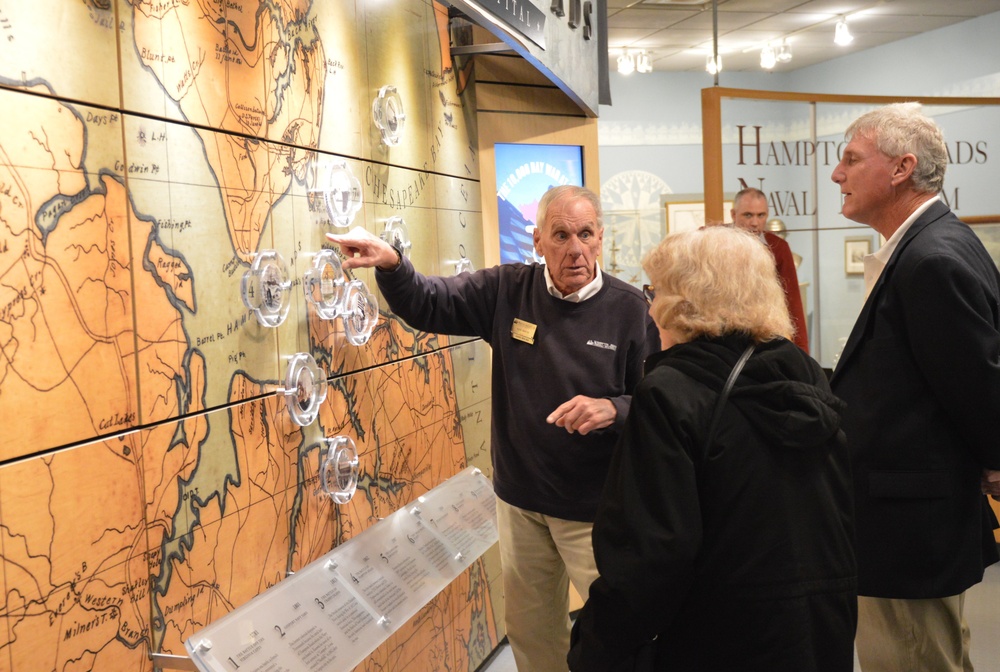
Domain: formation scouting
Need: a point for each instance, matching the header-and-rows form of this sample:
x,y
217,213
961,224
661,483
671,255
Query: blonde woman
x,y
734,552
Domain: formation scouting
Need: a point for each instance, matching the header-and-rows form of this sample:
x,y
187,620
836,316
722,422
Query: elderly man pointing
x,y
568,348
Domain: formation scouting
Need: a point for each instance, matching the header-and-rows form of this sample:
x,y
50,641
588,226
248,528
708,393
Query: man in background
x,y
568,344
750,212
921,377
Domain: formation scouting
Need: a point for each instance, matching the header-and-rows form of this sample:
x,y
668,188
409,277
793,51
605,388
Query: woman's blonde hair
x,y
715,281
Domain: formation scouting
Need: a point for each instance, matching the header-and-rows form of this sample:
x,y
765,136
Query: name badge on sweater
x,y
523,331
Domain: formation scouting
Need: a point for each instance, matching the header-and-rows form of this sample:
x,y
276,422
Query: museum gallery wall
x,y
651,142
152,478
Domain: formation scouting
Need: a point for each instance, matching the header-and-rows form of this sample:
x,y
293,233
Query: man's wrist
x,y
399,261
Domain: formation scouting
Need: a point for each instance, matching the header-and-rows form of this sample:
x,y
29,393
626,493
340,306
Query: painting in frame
x,y
855,250
689,215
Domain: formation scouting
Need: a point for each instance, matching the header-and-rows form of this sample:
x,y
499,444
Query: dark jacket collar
x,y
934,213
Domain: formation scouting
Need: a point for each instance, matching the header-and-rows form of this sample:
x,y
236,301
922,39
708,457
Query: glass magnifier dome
x,y
338,469
359,312
343,195
397,235
265,288
305,388
323,284
388,115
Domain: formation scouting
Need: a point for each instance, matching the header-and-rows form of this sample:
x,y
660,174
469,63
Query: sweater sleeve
x,y
646,536
462,305
635,368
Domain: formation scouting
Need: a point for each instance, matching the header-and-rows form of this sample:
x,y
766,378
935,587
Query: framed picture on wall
x,y
855,250
689,215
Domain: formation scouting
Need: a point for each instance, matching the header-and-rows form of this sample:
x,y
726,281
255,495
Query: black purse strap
x,y
724,395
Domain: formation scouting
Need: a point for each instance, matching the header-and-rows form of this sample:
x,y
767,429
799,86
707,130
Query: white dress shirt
x,y
582,294
875,262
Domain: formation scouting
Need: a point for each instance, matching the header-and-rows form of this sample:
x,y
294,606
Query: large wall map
x,y
151,479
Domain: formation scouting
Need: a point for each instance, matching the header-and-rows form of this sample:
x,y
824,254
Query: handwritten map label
x,y
117,420
173,224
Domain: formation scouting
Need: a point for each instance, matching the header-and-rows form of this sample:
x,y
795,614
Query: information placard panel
x,y
334,612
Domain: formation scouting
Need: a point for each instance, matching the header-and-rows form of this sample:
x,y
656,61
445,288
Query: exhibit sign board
x,y
520,15
565,40
334,612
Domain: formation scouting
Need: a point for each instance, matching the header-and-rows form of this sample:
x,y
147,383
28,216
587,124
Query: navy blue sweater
x,y
595,348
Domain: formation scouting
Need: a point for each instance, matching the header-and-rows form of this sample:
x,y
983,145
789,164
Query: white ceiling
x,y
678,33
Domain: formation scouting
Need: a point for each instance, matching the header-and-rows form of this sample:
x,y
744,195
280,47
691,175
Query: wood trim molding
x,y
711,125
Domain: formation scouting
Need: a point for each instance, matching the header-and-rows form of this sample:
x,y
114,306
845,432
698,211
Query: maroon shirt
x,y
790,280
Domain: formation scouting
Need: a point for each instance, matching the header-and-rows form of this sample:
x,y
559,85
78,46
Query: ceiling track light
x,y
626,63
767,57
842,34
643,63
784,52
713,65
773,52
634,61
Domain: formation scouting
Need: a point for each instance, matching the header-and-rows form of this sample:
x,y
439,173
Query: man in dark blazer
x,y
921,377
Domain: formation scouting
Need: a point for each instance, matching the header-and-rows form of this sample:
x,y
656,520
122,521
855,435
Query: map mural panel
x,y
67,330
347,100
76,37
151,476
76,577
452,105
459,225
396,56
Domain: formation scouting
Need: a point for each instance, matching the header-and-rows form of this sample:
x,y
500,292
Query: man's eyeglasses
x,y
649,292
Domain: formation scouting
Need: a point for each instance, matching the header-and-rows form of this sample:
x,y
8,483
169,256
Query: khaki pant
x,y
539,556
913,635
